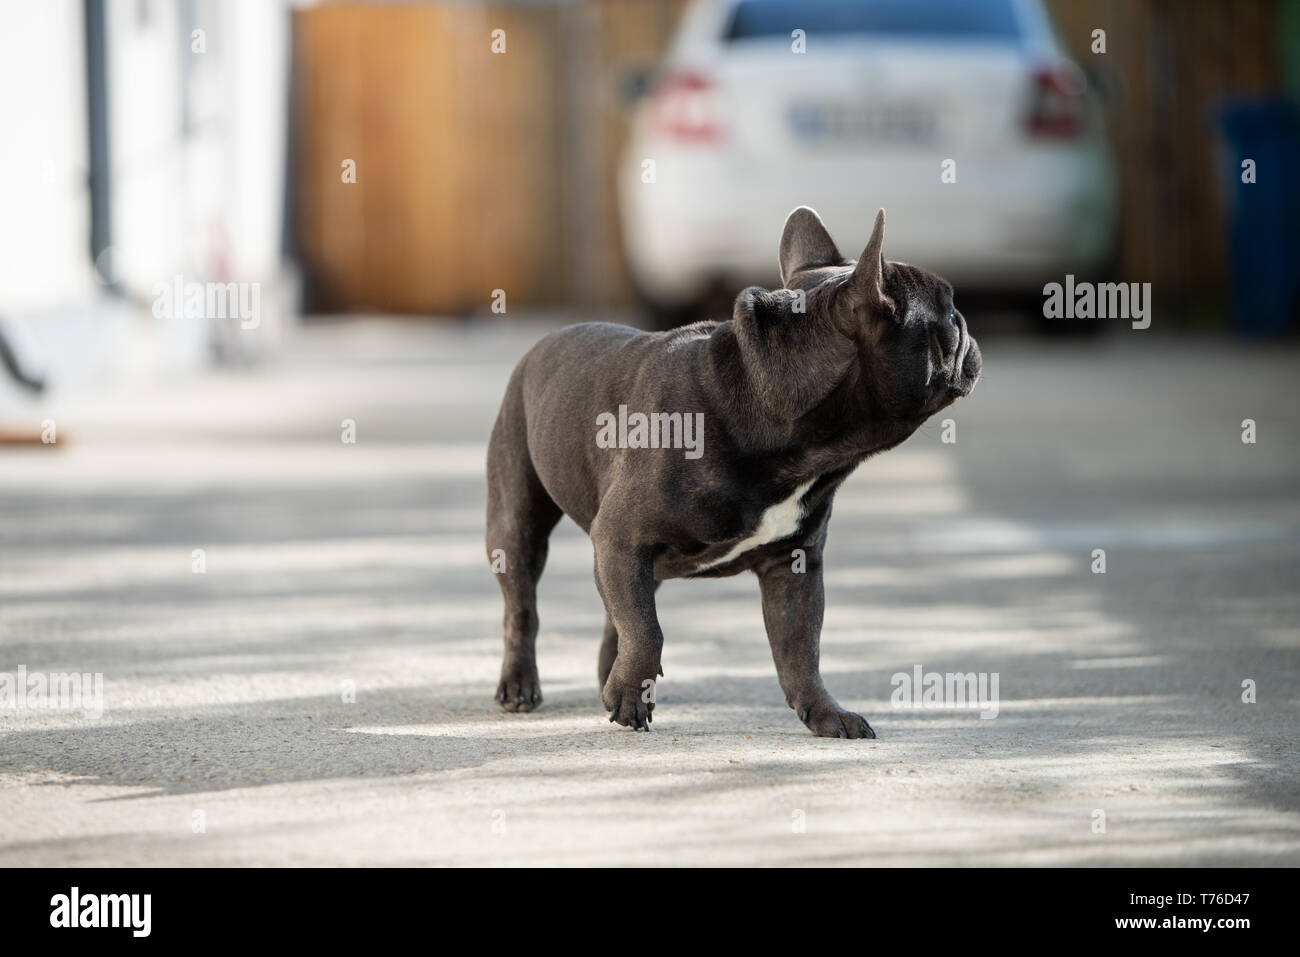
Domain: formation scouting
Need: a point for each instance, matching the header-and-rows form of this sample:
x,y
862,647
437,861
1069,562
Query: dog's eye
x,y
952,318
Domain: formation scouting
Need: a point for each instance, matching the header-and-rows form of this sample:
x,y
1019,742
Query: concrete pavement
x,y
321,693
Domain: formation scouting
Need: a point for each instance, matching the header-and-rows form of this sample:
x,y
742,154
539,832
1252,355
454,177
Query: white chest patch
x,y
776,522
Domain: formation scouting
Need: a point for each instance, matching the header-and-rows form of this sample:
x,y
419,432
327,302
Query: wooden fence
x,y
1173,62
478,171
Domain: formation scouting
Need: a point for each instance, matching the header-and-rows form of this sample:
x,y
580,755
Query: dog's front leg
x,y
793,604
625,578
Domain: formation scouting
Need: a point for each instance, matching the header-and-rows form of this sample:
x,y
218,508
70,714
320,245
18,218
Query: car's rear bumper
x,y
1001,225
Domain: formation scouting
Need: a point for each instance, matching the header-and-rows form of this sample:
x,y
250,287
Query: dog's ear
x,y
868,281
805,243
792,360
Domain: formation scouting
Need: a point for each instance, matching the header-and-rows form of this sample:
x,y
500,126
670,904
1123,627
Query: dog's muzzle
x,y
966,370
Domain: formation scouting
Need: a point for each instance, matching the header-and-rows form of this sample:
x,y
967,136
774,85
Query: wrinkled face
x,y
917,355
924,352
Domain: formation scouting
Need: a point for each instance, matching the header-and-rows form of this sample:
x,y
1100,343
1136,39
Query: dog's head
x,y
896,321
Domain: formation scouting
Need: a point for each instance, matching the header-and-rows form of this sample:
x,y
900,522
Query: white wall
x,y
207,204
44,194
203,200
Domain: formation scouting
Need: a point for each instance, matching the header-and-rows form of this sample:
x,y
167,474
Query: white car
x,y
962,118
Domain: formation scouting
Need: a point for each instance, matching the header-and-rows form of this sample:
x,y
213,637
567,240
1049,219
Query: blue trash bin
x,y
1264,230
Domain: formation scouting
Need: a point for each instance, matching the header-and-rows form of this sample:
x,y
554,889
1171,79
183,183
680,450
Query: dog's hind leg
x,y
520,517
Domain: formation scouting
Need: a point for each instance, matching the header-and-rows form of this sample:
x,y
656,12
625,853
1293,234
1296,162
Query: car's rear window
x,y
931,19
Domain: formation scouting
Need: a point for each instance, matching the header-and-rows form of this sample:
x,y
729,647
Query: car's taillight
x,y
1056,104
685,108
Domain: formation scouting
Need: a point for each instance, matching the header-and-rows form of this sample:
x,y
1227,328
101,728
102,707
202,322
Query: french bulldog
x,y
738,436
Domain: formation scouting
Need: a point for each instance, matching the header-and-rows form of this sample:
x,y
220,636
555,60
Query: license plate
x,y
862,123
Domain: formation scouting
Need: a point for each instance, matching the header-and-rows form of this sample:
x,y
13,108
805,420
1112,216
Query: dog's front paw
x,y
829,720
519,689
628,704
